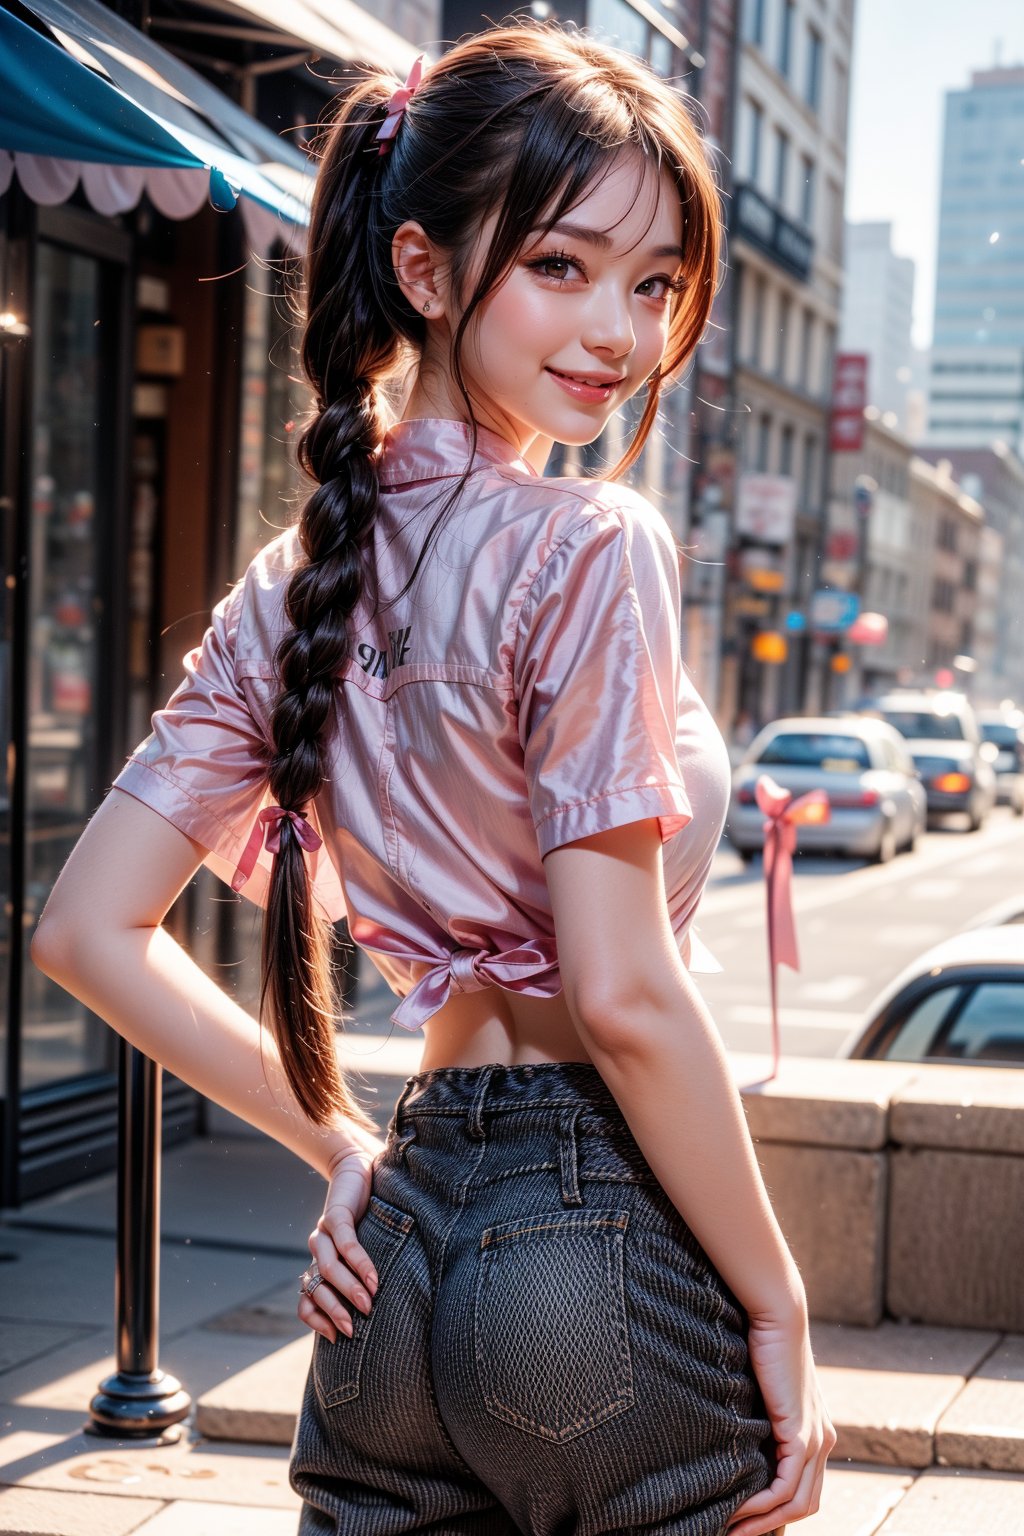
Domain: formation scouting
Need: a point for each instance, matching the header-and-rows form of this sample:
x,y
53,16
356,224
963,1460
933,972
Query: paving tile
x,y
195,1282
216,1520
855,1499
67,1379
192,1470
21,1341
41,1512
948,1502
887,1387
984,1425
260,1404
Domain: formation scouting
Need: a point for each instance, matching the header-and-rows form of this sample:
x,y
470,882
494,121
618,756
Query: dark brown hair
x,y
521,118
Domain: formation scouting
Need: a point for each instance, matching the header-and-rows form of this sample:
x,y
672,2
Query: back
x,y
525,692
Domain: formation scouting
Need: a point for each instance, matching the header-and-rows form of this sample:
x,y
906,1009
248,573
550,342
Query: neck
x,y
436,404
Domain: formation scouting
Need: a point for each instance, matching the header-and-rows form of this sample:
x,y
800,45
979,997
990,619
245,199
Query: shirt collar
x,y
431,447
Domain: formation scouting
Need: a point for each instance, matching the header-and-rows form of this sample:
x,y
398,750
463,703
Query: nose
x,y
609,327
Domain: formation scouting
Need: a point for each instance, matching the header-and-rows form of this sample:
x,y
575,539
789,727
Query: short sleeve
x,y
204,765
597,677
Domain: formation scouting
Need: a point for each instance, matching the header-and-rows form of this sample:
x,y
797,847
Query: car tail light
x,y
952,783
746,796
858,802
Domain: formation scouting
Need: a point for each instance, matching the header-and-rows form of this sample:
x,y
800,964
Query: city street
x,y
857,926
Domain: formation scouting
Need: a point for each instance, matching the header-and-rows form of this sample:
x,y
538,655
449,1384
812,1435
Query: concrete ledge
x,y
831,1206
260,1404
984,1426
971,1109
955,1238
819,1101
887,1387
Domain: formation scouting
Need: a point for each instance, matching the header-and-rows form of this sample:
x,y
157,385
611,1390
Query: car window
x,y
808,749
924,724
916,1036
1002,735
990,1026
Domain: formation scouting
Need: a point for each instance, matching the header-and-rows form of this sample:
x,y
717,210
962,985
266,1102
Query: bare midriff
x,y
474,1028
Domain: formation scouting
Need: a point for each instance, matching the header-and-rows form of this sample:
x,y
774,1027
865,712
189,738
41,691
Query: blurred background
x,y
842,461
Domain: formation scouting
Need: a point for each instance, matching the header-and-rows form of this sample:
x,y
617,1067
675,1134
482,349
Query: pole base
x,y
131,1405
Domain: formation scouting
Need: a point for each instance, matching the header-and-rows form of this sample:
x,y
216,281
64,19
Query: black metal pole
x,y
139,1400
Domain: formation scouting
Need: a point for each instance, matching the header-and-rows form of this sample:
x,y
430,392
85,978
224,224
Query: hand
x,y
780,1353
344,1264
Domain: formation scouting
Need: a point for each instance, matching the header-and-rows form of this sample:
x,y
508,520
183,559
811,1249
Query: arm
x,y
653,1041
100,937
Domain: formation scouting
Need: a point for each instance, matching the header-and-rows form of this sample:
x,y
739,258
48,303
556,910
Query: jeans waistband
x,y
499,1088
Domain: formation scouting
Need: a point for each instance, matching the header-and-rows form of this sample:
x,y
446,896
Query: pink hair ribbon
x,y
397,105
268,824
780,829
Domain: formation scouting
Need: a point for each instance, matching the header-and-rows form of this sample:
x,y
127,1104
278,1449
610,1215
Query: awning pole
x,y
139,1400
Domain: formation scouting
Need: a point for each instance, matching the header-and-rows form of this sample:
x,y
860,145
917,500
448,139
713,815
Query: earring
x,y
427,305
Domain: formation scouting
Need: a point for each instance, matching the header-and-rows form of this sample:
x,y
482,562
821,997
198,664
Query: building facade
x,y
951,522
144,453
994,476
976,391
786,254
877,316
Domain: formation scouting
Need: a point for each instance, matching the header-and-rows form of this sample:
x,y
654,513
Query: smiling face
x,y
578,325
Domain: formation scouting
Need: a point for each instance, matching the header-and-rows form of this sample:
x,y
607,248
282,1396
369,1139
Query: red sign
x,y
849,397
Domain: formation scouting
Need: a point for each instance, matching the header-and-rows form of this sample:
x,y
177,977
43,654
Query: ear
x,y
419,269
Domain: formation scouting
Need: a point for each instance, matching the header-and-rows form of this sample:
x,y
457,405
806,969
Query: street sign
x,y
833,612
766,508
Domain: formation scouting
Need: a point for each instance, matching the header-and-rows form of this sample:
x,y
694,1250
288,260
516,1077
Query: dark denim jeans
x,y
549,1349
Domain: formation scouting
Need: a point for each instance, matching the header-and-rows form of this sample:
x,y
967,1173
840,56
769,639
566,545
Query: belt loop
x,y
474,1119
567,1158
396,1113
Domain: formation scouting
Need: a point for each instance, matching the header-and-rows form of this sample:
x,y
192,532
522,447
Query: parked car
x,y
877,804
961,1001
1002,732
944,740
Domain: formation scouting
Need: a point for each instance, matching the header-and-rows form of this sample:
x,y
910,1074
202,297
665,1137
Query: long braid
x,y
348,351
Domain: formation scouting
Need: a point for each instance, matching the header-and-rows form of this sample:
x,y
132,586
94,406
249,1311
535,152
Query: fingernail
x,y
371,1281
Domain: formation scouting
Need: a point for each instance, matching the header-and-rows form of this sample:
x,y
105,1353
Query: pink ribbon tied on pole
x,y
397,105
268,825
784,815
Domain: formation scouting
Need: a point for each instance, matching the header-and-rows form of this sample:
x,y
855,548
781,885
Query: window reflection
x,y
61,1038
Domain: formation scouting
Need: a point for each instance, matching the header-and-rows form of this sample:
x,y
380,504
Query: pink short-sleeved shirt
x,y
526,691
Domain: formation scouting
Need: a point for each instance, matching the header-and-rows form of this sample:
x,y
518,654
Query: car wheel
x,y
976,819
1018,806
886,850
911,842
747,855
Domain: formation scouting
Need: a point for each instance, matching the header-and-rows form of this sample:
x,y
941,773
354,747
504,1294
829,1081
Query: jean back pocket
x,y
383,1231
550,1329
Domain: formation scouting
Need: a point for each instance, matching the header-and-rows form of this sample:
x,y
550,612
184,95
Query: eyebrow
x,y
601,240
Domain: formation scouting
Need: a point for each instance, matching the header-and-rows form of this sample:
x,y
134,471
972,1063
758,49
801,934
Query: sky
x,y
906,55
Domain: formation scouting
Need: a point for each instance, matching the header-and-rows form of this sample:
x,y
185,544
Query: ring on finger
x,y
310,1282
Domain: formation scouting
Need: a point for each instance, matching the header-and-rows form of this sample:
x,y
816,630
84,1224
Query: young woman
x,y
451,700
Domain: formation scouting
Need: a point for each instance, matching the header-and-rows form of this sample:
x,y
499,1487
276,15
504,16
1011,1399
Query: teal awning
x,y
100,90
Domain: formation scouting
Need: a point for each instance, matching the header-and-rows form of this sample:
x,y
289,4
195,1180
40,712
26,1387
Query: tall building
x,y
877,315
977,373
786,254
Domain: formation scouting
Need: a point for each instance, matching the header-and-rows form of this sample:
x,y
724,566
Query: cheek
x,y
522,316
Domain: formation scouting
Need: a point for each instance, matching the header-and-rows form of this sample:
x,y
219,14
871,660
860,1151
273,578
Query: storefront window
x,y
66,538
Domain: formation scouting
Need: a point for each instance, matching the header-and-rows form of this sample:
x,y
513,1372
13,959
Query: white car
x,y
961,1001
877,804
